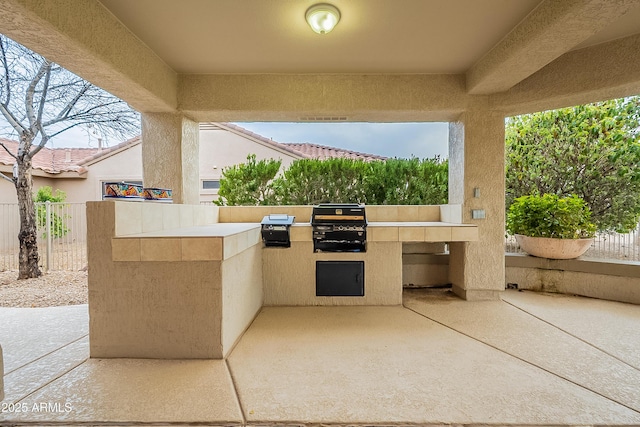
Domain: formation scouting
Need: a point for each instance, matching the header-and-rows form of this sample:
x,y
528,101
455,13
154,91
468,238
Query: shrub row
x,y
310,181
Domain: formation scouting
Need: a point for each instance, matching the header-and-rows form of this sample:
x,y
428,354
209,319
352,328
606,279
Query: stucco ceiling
x,y
373,36
229,60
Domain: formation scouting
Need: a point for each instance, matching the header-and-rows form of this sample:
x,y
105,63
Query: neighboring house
x,y
323,152
80,172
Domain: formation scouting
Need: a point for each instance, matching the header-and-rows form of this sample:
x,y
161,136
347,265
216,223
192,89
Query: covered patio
x,y
530,359
470,63
419,357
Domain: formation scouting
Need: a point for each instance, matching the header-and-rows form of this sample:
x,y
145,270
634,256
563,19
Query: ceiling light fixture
x,y
322,17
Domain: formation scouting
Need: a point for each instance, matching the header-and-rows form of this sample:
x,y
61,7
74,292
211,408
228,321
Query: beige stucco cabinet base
x,y
185,281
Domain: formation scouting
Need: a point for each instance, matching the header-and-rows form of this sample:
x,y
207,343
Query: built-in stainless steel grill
x,y
339,227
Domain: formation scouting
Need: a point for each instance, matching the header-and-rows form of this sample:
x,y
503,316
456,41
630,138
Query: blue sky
x,y
385,139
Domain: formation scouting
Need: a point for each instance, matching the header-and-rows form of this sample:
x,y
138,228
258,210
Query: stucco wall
x,y
218,149
221,148
289,275
151,309
8,191
476,147
241,294
610,280
123,166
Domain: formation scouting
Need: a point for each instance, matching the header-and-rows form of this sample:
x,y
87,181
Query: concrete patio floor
x,y
531,359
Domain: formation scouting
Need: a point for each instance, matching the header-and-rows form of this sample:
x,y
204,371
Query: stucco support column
x,y
170,150
476,161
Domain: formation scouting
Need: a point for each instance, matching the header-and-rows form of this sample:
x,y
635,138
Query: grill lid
x,y
338,213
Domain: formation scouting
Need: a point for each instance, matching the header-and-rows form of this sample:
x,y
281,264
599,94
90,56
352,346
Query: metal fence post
x,y
47,205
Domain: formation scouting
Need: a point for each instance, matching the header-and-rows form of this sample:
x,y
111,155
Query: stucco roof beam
x,y
87,39
605,71
549,31
290,97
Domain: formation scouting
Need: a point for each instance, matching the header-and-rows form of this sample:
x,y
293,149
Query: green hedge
x,y
311,181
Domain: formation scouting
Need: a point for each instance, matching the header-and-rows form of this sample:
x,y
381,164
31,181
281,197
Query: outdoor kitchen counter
x,y
213,242
221,241
403,232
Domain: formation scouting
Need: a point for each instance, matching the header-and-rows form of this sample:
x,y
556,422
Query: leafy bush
x,y
248,183
312,181
58,226
407,182
592,151
550,216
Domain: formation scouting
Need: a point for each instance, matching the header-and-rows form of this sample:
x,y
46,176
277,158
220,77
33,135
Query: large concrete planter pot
x,y
545,247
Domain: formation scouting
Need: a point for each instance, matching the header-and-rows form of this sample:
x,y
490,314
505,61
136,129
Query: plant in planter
x,y
548,226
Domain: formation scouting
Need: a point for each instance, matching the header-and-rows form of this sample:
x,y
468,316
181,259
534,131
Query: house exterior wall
x,y
8,191
218,149
125,165
221,148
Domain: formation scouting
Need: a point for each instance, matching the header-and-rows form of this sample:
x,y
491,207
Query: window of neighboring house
x,y
210,184
129,181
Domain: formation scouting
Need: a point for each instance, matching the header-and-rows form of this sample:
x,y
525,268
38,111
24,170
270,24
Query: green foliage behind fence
x,y
311,181
58,226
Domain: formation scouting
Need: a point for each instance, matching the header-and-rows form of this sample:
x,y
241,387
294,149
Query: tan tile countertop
x,y
211,230
404,232
214,242
223,240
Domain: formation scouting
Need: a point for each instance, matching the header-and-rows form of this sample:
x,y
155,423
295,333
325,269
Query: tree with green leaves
x,y
592,151
248,183
40,100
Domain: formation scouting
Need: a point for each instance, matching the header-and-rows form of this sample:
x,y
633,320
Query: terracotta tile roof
x,y
107,151
322,152
247,133
58,160
302,150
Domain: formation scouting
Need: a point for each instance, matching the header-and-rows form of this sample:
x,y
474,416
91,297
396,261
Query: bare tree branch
x,y
28,102
88,121
64,113
7,150
43,98
4,106
6,71
6,177
43,141
11,119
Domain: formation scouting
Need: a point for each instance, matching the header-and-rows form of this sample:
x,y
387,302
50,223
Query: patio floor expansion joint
x,y
45,355
53,379
235,390
574,336
524,360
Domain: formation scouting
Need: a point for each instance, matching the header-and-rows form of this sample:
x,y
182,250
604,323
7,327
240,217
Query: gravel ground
x,y
49,290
